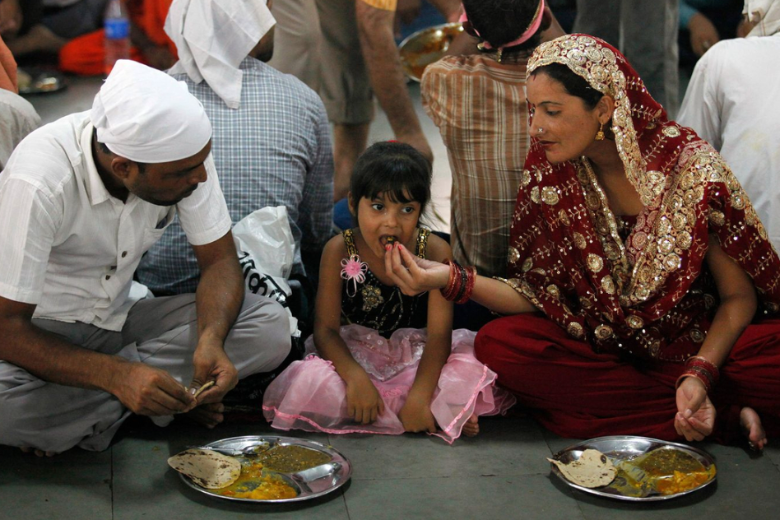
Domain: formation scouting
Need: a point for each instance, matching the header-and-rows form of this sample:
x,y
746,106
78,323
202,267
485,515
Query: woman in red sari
x,y
642,286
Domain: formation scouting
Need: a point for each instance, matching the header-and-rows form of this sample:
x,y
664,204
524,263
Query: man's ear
x,y
122,167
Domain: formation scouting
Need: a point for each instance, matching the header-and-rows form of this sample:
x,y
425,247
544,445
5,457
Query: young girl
x,y
381,370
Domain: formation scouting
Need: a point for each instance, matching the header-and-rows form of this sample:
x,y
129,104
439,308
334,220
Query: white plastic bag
x,y
265,248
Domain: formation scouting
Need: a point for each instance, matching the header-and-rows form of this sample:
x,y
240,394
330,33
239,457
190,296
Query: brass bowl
x,y
426,46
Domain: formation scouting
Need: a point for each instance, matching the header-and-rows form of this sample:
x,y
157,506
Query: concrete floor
x,y
502,473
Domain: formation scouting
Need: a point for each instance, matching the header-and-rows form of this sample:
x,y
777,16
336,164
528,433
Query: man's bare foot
x,y
751,427
39,453
209,415
471,428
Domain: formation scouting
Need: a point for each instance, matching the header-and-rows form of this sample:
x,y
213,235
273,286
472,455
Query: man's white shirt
x,y
67,245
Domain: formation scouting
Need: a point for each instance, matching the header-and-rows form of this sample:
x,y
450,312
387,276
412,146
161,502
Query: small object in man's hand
x,y
200,390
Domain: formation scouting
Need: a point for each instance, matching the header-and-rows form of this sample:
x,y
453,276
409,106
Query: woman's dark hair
x,y
396,169
501,21
574,84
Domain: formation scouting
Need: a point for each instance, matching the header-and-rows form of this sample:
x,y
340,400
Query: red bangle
x,y
471,276
705,367
461,283
453,285
702,369
691,373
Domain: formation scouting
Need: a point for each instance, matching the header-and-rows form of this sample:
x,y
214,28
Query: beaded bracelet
x,y
702,369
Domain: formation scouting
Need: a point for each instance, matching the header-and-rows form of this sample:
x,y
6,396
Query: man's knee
x,y
264,331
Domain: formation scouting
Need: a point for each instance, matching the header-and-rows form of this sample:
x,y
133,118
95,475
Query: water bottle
x,y
117,27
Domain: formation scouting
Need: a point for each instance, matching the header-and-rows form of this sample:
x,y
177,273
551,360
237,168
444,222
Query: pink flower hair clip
x,y
353,270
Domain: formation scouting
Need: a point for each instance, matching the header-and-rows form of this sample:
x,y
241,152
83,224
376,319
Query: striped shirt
x,y
274,150
479,106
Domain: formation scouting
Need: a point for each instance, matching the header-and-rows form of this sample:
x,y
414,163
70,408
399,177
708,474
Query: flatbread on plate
x,y
593,469
207,468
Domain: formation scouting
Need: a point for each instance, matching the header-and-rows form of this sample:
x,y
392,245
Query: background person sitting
x,y
730,104
17,116
271,142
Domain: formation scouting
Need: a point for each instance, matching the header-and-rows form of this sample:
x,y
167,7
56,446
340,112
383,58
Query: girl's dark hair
x,y
501,21
574,84
396,169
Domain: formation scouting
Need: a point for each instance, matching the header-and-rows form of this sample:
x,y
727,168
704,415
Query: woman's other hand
x,y
695,416
412,274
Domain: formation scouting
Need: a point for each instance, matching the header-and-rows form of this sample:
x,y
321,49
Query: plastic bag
x,y
265,248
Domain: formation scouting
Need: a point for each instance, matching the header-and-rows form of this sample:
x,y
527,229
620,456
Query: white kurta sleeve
x,y
204,215
27,228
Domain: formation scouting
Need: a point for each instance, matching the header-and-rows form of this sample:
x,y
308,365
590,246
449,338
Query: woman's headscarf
x,y
566,254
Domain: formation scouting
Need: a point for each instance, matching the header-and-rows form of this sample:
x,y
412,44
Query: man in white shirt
x,y
81,200
731,102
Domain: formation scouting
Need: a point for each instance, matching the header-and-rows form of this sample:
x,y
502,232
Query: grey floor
x,y
502,473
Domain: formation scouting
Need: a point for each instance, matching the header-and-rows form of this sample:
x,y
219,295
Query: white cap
x,y
765,14
213,37
146,116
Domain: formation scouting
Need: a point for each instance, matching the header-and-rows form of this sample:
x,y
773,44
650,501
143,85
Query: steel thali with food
x,y
622,449
331,469
426,46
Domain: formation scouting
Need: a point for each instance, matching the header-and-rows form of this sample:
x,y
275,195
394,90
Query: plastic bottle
x,y
117,27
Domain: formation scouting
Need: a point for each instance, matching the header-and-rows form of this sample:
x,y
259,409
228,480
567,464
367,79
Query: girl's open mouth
x,y
388,239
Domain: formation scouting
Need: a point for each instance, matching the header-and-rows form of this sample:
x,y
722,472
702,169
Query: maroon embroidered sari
x,y
631,303
650,295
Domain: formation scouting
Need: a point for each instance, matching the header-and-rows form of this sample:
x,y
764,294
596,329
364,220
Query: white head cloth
x,y
147,116
765,14
213,37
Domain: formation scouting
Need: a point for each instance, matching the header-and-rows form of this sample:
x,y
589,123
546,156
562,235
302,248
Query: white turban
x,y
213,37
765,14
147,116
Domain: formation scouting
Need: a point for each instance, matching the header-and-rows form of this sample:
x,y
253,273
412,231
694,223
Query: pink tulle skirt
x,y
309,395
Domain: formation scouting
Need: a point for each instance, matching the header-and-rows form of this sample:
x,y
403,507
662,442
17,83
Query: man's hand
x,y
210,363
418,141
150,391
10,18
416,414
703,34
405,12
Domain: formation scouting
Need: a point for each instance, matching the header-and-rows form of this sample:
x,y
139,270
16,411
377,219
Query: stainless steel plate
x,y
425,47
38,81
307,490
624,447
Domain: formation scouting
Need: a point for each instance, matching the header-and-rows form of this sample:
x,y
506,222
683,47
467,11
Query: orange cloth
x,y
85,55
7,69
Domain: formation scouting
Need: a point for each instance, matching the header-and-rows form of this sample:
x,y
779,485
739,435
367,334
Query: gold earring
x,y
600,133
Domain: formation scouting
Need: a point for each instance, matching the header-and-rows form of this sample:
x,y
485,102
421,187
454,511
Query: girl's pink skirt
x,y
309,395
